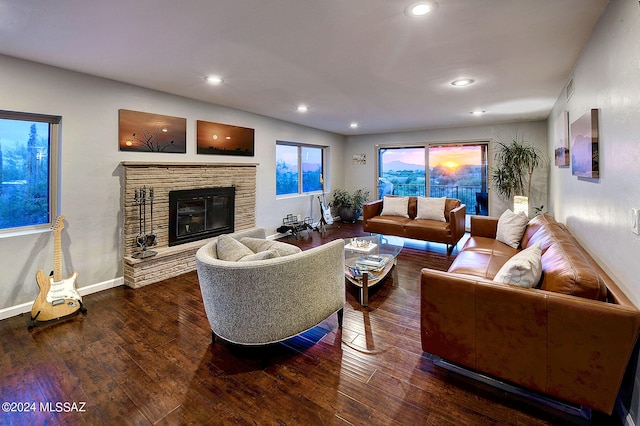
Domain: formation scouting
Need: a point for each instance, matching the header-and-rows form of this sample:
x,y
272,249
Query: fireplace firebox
x,y
196,214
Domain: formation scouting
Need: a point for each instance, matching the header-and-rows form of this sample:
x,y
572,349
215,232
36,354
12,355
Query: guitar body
x,y
325,210
57,296
60,305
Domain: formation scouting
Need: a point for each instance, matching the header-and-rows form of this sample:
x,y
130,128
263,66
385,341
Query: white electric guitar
x,y
325,209
57,297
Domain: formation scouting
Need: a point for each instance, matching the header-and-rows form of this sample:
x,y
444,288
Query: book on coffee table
x,y
372,261
356,273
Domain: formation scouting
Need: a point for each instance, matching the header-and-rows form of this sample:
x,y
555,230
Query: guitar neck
x,y
57,255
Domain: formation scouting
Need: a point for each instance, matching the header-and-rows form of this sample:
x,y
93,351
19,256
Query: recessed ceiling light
x,y
477,112
420,8
462,82
213,79
353,125
303,108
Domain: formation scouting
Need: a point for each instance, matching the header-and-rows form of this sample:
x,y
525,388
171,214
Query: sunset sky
x,y
459,154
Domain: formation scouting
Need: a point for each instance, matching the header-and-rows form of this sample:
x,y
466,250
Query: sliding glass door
x,y
454,171
401,171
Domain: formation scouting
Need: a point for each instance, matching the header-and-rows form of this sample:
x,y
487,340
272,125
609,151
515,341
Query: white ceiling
x,y
348,60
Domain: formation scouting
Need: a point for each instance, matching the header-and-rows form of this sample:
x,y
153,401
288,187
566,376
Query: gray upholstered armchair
x,y
265,301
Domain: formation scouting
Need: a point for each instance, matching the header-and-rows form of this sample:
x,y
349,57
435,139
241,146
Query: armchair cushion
x,y
395,206
431,208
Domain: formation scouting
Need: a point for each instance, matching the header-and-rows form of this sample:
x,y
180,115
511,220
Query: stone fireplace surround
x,y
165,177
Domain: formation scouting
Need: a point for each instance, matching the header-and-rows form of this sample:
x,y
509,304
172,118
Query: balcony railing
x,y
466,194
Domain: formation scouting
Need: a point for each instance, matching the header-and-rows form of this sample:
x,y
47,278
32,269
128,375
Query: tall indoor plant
x,y
515,163
348,205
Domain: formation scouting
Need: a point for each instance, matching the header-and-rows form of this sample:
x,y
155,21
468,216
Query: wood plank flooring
x,y
145,357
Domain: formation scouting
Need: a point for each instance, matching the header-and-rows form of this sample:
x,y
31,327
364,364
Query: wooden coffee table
x,y
368,261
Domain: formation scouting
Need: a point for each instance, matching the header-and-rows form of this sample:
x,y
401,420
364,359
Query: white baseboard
x,y
12,311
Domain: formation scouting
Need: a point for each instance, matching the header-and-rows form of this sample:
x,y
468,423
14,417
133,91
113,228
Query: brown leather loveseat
x,y
449,231
570,337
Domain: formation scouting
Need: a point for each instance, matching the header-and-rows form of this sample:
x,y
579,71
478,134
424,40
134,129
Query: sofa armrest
x,y
484,226
457,219
569,347
371,209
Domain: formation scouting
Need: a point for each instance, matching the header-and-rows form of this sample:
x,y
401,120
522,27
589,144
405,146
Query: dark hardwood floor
x,y
145,357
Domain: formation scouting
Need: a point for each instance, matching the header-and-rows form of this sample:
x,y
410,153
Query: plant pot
x,y
348,214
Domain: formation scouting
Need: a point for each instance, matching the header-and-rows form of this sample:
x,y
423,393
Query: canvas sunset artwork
x,y
224,139
147,132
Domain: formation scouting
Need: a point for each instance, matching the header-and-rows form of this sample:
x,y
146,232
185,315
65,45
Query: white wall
x,y
534,132
607,77
90,179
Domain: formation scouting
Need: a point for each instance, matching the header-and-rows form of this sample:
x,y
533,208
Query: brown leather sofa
x,y
569,338
448,232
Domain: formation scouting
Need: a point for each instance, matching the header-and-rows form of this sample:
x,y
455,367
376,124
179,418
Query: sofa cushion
x,y
481,264
427,229
569,270
258,245
489,245
524,269
511,227
431,208
389,225
395,206
535,225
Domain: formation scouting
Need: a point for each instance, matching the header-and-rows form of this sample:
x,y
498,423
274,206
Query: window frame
x,y
54,122
324,154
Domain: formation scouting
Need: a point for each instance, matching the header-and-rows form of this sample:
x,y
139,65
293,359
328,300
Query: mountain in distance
x,y
401,165
311,167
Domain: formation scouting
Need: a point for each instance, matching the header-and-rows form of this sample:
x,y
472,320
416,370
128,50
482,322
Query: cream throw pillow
x,y
395,206
511,227
524,269
431,208
231,249
259,245
267,254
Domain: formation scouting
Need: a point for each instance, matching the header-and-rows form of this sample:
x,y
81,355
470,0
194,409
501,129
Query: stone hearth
x,y
165,177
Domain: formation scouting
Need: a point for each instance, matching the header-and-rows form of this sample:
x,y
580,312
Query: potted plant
x,y
349,205
515,163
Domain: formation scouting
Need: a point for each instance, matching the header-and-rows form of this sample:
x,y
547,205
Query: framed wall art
x,y
147,132
561,136
584,146
359,159
224,139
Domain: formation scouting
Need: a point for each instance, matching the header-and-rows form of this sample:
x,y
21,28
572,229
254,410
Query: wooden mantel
x,y
165,177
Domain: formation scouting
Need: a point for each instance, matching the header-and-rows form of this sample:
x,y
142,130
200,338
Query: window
x,y
298,168
454,170
27,179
